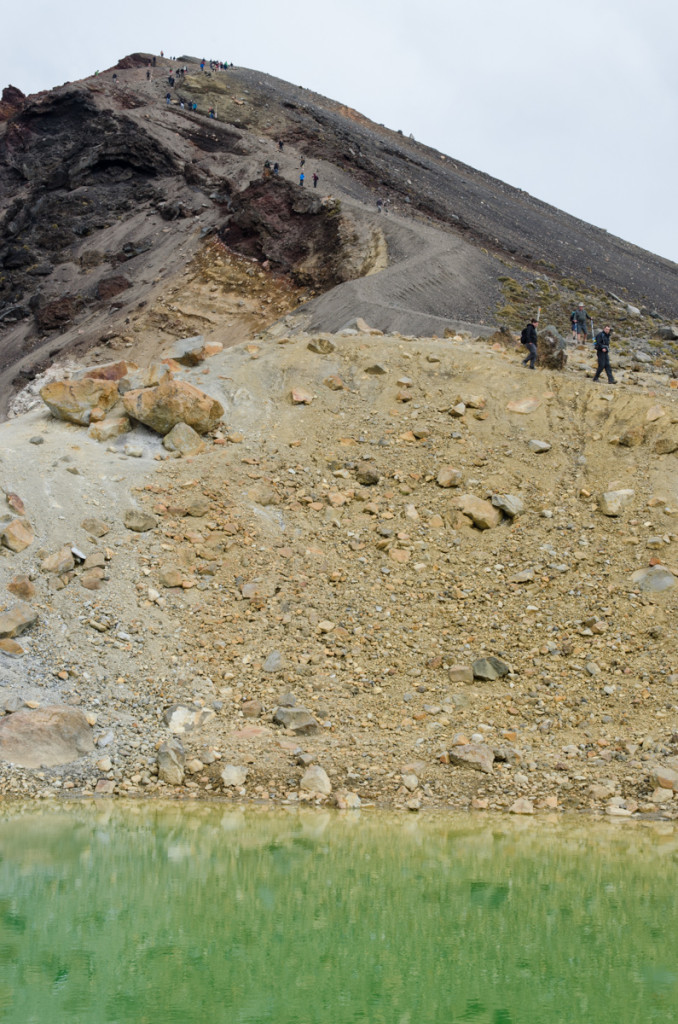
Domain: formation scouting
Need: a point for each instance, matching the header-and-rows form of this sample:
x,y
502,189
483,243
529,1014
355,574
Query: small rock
x,y
60,562
448,476
171,763
184,439
316,780
367,475
611,503
473,755
22,587
522,806
97,527
491,668
274,662
460,674
483,513
17,620
510,505
539,447
654,580
234,775
297,719
138,521
17,535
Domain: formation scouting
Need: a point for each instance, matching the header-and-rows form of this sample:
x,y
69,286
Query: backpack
x,y
524,340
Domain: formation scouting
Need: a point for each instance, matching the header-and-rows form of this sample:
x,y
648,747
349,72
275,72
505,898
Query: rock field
x,y
394,571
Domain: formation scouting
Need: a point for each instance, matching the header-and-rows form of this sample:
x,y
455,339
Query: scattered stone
x,y
299,720
110,428
654,579
509,504
181,719
97,527
483,513
460,674
234,775
448,476
410,781
170,576
184,439
488,669
301,396
347,801
667,778
15,503
11,649
138,521
611,503
524,576
316,780
473,755
525,406
171,763
666,445
274,662
632,437
367,475
522,806
539,447
192,351
17,535
322,346
45,737
17,620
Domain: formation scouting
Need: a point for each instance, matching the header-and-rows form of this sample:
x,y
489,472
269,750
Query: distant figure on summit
x,y
578,321
315,179
301,178
603,352
529,339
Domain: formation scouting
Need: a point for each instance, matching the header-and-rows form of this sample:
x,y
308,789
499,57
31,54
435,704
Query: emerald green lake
x,y
177,914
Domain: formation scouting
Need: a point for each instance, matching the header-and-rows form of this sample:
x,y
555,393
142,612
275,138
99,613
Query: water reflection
x,y
179,914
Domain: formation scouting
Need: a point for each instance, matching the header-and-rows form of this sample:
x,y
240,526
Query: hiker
x,y
315,179
267,169
301,178
148,76
275,170
578,322
528,338
281,145
302,161
603,352
380,204
168,98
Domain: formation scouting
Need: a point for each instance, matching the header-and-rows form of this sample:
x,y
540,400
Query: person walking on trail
x,y
603,352
528,338
302,161
315,179
276,168
578,321
301,178
168,97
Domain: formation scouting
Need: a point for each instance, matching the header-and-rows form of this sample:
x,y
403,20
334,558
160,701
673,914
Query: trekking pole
x,y
538,313
593,337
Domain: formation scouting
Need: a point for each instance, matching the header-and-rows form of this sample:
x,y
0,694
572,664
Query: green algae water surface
x,y
180,915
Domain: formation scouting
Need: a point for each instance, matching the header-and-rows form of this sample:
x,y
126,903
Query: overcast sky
x,y
575,101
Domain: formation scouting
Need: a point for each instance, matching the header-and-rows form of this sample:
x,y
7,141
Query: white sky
x,y
575,101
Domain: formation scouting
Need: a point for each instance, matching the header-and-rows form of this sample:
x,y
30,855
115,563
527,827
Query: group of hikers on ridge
x,y
578,321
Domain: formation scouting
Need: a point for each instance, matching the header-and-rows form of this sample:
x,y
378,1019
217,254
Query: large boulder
x,y
551,349
172,402
45,737
77,400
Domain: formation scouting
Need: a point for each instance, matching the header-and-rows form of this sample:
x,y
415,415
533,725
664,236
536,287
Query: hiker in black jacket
x,y
603,353
529,339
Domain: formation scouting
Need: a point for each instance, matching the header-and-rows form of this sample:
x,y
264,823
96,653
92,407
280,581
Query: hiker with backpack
x,y
602,344
528,338
578,322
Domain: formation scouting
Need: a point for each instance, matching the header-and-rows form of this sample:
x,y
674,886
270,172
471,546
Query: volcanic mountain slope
x,y
127,221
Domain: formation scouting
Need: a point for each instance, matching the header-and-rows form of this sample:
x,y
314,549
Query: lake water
x,y
176,914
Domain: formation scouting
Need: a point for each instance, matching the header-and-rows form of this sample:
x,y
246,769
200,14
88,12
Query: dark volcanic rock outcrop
x,y
302,234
